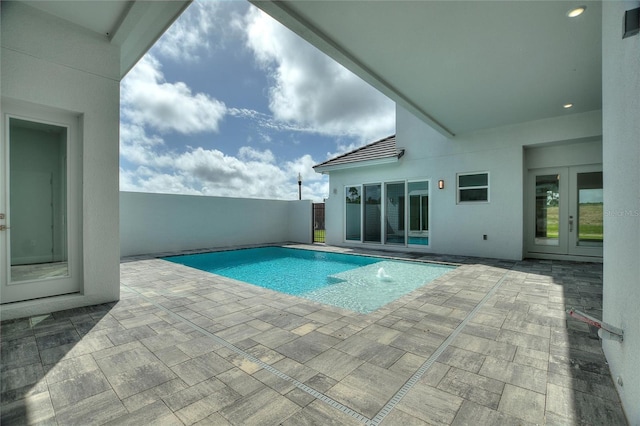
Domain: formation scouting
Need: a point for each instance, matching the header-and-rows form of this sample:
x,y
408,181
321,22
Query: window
x,y
473,187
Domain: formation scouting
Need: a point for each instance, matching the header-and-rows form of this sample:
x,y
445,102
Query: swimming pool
x,y
359,283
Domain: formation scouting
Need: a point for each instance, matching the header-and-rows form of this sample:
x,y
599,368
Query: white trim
x,y
355,164
31,289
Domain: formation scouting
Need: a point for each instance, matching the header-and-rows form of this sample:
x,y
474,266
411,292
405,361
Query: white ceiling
x,y
101,16
134,25
462,65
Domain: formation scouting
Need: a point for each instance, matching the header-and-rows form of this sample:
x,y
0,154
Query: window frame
x,y
463,188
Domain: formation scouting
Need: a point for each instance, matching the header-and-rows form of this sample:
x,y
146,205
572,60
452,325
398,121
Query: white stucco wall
x,y
621,152
158,223
51,64
459,228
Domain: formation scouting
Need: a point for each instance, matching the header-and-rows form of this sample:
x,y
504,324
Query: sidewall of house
x,y
459,228
53,66
621,158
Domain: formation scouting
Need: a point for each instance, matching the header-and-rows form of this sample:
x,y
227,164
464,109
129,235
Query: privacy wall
x,y
158,223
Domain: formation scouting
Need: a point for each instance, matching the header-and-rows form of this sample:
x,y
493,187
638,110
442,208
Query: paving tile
x,y
429,404
460,358
213,402
407,364
522,339
377,333
471,413
515,374
20,377
275,337
33,409
77,388
472,387
156,413
319,413
96,409
523,404
150,396
532,358
334,363
201,368
308,346
367,389
484,346
367,350
582,408
263,407
140,379
240,381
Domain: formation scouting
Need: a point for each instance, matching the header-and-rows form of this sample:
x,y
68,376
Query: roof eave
x,y
377,162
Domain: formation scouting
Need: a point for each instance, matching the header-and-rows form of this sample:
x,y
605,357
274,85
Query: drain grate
x,y
389,406
262,364
434,356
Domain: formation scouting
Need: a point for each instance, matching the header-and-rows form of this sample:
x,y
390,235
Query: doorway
x,y
564,207
39,235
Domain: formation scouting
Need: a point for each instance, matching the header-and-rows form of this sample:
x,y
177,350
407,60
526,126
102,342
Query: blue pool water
x,y
347,281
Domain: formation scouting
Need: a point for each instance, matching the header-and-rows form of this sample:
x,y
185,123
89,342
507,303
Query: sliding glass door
x,y
370,220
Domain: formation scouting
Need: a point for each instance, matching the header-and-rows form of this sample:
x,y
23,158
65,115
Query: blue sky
x,y
230,103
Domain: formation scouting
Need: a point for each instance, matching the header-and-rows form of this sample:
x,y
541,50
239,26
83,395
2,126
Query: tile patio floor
x,y
487,344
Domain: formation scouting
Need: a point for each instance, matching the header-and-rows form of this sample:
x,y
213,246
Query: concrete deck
x,y
486,344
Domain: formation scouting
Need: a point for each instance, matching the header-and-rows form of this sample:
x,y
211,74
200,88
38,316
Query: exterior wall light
x,y
441,184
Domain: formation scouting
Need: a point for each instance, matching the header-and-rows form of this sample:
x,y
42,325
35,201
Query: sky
x,y
230,103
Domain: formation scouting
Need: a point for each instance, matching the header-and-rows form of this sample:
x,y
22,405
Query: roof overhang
x,y
368,163
461,66
134,25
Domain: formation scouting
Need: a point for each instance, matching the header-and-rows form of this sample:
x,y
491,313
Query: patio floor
x,y
488,343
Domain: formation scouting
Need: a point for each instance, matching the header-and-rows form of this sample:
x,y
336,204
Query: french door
x,y
39,197
564,211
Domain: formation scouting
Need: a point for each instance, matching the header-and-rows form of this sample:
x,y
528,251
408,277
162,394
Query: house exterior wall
x,y
621,152
160,223
459,228
52,65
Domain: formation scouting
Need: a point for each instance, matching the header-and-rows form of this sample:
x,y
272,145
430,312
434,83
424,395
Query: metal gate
x,y
318,223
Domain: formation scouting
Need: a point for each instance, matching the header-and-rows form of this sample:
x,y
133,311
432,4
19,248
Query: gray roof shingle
x,y
378,150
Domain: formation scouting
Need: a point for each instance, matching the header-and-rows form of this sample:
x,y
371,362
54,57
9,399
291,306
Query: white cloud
x,y
311,90
252,173
196,32
147,99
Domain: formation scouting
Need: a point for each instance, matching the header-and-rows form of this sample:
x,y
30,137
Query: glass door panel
x,y
547,209
38,200
372,213
394,208
353,212
590,209
418,213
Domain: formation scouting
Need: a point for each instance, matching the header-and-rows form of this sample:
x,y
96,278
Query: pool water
x,y
347,281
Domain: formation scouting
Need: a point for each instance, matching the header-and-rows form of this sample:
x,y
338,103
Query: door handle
x,y
570,223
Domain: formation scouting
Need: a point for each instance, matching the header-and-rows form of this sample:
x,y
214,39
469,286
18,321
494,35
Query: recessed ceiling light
x,y
567,106
576,11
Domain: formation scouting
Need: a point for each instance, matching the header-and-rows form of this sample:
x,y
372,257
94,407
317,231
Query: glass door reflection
x,y
38,201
